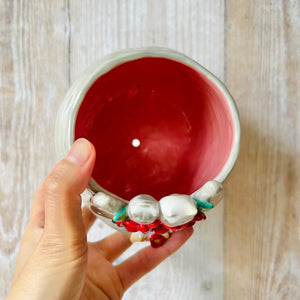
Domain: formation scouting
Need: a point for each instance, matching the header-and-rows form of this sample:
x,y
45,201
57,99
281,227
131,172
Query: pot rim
x,y
65,126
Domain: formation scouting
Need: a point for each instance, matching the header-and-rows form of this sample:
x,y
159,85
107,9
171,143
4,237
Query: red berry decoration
x,y
131,226
161,229
143,228
157,240
199,216
190,224
154,224
120,223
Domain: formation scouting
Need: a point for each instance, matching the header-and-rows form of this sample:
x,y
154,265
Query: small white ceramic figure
x,y
106,203
177,209
173,210
211,192
143,209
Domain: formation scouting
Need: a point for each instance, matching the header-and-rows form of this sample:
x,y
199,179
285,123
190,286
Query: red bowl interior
x,y
159,127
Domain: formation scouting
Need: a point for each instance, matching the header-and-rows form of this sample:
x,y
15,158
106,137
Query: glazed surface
x,y
159,127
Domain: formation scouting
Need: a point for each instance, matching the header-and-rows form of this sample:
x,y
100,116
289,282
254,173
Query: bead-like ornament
x,y
210,192
177,209
106,203
143,209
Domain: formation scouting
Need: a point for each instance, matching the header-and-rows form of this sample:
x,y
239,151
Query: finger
x,y
113,246
29,242
37,215
148,258
88,218
62,188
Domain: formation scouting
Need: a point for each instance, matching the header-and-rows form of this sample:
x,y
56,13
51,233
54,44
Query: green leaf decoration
x,y
201,204
121,215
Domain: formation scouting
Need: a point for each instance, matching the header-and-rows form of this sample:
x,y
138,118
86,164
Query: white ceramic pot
x,y
174,211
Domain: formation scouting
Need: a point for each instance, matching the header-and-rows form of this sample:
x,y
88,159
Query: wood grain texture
x,y
262,229
197,29
253,45
33,80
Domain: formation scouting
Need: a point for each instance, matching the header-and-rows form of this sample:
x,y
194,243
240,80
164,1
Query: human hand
x,y
55,260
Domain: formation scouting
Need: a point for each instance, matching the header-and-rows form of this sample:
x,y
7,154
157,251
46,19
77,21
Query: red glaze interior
x,y
179,117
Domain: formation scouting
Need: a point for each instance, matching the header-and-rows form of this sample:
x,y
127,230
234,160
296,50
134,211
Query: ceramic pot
x,y
166,133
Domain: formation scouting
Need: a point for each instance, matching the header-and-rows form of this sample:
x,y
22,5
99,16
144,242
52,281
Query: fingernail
x,y
79,152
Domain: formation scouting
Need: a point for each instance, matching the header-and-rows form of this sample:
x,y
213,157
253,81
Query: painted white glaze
x,y
177,209
65,124
143,209
211,191
106,202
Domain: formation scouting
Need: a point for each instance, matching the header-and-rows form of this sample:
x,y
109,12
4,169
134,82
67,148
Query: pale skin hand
x,y
56,261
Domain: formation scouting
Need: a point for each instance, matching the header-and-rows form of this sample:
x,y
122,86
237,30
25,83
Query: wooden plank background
x,y
249,247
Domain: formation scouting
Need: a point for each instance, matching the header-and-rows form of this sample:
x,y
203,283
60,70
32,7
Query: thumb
x,y
62,188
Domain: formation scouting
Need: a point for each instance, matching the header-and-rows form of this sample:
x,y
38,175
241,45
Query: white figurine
x,y
211,192
143,209
106,203
173,210
177,209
